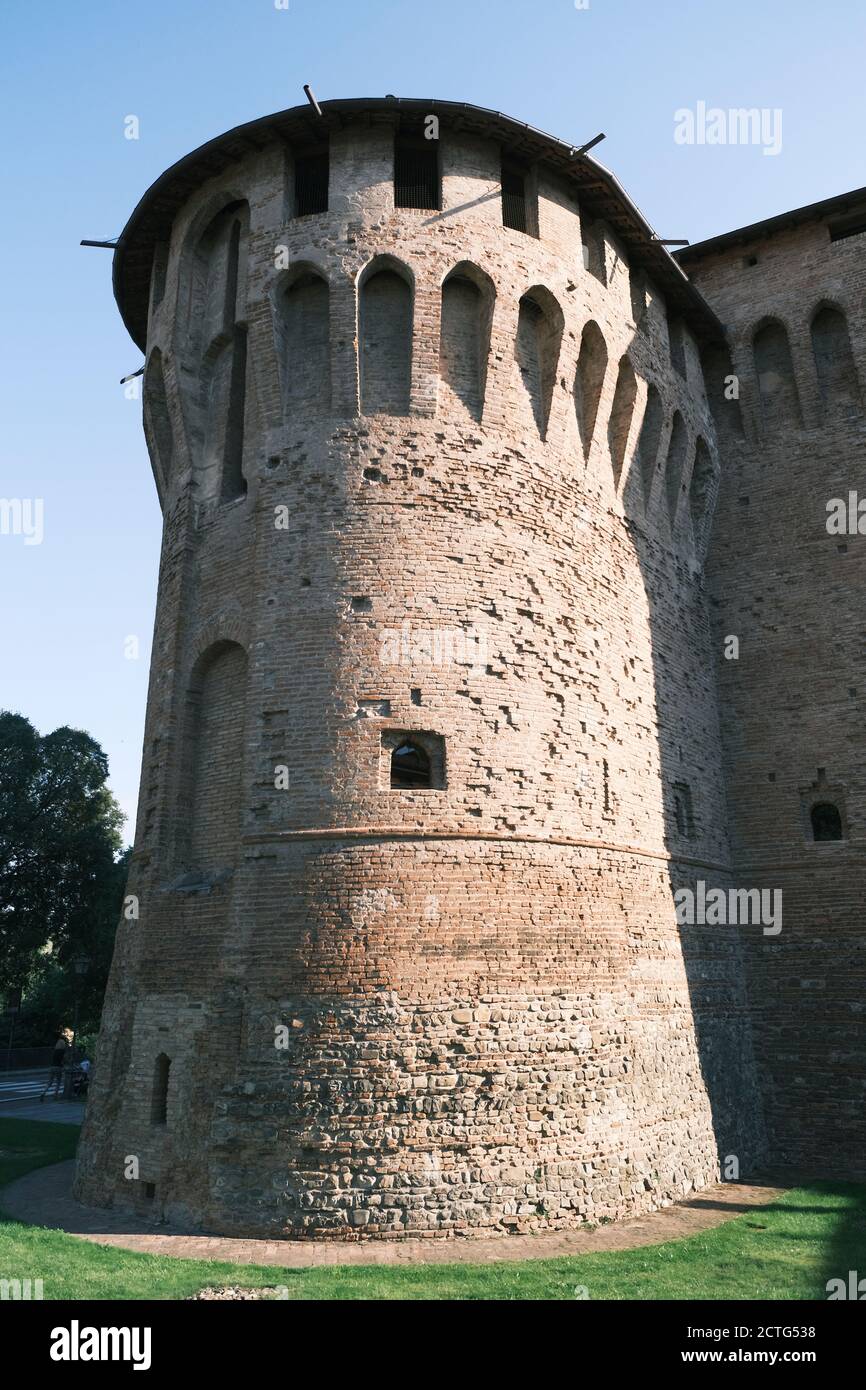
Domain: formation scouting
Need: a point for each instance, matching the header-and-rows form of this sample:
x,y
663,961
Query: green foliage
x,y
61,872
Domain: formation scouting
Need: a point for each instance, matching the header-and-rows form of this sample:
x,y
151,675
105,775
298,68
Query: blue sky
x,y
189,69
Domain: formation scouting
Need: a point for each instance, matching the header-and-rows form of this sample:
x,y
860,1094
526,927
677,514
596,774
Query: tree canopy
x,y
61,871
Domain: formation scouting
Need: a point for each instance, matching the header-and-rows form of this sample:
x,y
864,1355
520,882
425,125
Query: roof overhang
x,y
761,231
594,185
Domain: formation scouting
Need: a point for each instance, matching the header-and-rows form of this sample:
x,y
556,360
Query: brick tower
x,y
787,577
432,735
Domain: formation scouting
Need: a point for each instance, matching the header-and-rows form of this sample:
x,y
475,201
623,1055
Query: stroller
x,y
80,1080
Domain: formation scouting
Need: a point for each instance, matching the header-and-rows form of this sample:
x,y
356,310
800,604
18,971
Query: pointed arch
x,y
701,489
213,337
385,311
722,391
589,381
674,465
212,757
780,401
619,424
540,323
303,339
649,440
468,296
838,382
158,429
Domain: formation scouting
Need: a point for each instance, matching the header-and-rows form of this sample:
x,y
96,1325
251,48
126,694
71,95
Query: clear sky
x,y
73,70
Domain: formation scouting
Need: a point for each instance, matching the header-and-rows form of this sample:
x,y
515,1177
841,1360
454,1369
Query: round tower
x,y
432,737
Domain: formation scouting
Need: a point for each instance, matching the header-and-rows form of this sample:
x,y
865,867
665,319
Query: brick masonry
x,y
426,475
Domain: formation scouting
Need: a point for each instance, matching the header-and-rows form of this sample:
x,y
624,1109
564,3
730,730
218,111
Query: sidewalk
x,y
59,1112
19,1099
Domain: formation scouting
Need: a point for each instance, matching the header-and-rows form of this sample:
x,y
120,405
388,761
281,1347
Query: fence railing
x,y
21,1058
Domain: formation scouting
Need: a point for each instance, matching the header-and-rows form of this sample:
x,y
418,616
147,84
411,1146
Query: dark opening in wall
x,y
410,766
684,811
311,183
826,821
159,1099
413,761
416,173
518,201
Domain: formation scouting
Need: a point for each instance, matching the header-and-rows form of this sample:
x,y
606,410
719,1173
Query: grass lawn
x,y
787,1250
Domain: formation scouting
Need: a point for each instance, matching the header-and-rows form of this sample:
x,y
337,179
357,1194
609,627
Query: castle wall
x,y
792,703
488,1018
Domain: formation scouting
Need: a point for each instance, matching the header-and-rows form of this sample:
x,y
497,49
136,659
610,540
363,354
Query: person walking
x,y
58,1060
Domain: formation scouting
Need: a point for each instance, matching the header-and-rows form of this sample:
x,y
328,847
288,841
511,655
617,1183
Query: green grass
x,y
786,1250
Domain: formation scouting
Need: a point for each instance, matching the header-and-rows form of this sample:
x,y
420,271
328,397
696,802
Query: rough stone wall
x,y
793,702
490,1018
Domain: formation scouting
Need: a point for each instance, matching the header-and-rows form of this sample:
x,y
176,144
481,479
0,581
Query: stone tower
x,y
432,735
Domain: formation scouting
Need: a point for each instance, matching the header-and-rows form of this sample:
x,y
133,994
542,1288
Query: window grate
x,y
514,200
311,184
416,175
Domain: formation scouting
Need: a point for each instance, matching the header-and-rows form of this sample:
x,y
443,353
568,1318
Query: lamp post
x,y
81,965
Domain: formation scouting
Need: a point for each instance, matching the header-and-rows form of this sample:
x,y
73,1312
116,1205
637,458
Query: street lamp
x,y
81,965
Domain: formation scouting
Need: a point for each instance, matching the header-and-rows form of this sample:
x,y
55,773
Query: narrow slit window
x,y
311,184
159,1104
683,811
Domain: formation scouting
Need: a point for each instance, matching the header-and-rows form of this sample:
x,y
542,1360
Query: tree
x,y
61,873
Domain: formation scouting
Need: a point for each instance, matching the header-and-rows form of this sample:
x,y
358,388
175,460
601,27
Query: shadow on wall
x,y
668,480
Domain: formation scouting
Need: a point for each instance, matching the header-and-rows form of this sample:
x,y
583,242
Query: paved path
x,y
19,1100
43,1198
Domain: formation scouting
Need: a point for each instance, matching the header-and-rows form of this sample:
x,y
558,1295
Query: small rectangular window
x,y
416,173
311,184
